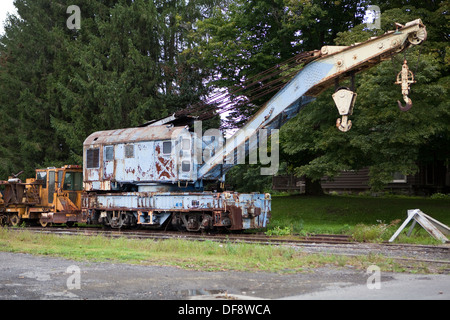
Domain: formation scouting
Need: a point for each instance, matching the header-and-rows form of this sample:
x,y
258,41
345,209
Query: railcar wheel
x,y
14,220
3,220
177,222
116,219
43,223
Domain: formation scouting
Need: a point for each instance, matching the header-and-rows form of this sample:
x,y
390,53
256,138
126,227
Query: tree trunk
x,y
313,188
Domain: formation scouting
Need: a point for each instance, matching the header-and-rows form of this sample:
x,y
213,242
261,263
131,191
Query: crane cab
x,y
151,158
60,195
60,182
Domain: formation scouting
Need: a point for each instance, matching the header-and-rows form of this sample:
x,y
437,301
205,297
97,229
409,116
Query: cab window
x,y
92,158
42,176
109,153
167,147
73,181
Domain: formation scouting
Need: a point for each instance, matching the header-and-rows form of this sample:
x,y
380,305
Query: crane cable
x,y
220,97
221,102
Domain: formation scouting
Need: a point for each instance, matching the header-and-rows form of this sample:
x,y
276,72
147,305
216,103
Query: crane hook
x,y
405,78
408,104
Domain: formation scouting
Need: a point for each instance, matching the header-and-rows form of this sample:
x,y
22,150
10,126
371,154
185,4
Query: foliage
x,y
284,227
248,178
277,231
440,196
134,61
129,63
374,233
382,138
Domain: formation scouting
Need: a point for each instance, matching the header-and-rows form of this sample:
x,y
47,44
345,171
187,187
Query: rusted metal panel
x,y
13,193
164,163
62,217
236,218
21,193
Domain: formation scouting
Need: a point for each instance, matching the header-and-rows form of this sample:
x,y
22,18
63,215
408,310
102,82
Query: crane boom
x,y
331,64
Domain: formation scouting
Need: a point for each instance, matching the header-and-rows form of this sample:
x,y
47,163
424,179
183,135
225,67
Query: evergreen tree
x,y
127,64
28,50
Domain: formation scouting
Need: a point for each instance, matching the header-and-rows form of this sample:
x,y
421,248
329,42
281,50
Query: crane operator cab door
x,y
42,176
185,157
70,183
108,162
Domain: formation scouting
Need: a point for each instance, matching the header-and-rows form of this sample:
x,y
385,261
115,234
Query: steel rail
x,y
157,234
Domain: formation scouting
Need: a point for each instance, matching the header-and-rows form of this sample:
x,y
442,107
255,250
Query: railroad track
x,y
317,243
161,235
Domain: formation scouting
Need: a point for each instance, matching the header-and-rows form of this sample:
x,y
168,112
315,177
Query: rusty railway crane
x,y
154,175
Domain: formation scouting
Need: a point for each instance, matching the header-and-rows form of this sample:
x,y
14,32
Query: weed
x,y
277,231
437,196
373,233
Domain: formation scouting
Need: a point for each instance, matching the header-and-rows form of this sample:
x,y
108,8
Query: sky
x,y
5,7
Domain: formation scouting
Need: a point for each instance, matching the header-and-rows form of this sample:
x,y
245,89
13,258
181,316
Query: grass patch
x,y
374,233
194,255
366,218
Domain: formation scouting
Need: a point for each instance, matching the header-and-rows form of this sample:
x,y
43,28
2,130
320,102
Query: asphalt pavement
x,y
28,277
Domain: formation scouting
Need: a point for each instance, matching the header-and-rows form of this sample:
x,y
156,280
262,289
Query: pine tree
x,y
127,64
28,52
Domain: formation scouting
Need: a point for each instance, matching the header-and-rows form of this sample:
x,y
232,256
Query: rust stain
x,y
163,161
164,174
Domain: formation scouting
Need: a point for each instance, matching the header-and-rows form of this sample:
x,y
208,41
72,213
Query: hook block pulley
x,y
345,101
